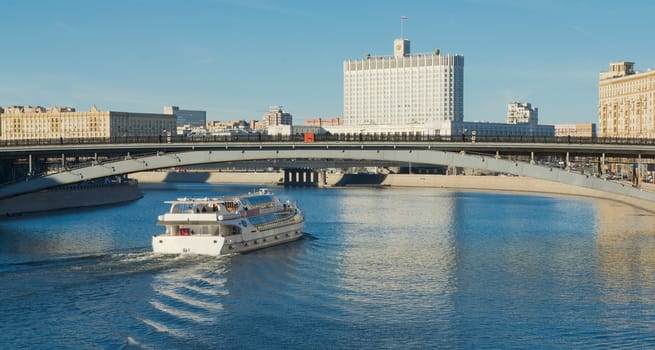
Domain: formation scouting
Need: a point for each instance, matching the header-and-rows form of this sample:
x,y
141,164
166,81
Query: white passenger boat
x,y
227,225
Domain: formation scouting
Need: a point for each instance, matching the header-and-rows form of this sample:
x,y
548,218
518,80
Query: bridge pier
x,y
322,178
7,170
601,165
300,177
454,170
636,172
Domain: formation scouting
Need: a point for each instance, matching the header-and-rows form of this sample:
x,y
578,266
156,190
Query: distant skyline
x,y
235,58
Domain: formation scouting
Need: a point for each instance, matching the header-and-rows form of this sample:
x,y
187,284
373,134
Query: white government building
x,y
415,91
419,94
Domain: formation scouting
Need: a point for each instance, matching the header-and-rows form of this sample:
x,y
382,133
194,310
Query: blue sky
x,y
234,58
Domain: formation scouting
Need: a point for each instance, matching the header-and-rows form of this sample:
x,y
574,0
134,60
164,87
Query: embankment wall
x,y
485,183
45,201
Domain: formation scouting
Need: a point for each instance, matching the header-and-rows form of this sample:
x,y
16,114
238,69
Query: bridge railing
x,y
347,137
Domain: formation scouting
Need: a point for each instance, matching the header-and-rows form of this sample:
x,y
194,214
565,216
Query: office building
x,y
64,123
276,116
480,129
420,90
522,112
626,102
192,119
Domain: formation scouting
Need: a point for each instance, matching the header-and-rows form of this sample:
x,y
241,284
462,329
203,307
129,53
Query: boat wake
x,y
50,262
112,263
188,296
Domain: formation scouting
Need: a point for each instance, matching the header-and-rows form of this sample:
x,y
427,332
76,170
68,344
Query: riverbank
x,y
517,184
264,178
484,183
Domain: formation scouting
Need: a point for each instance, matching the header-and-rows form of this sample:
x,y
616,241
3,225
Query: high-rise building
x,y
626,102
404,89
276,116
194,119
521,112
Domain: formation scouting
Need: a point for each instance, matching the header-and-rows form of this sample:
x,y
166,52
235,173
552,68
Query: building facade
x,y
626,102
63,123
194,119
468,129
323,122
404,89
276,116
522,112
586,130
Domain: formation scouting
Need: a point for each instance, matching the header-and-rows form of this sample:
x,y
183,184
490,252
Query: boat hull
x,y
204,245
218,245
264,239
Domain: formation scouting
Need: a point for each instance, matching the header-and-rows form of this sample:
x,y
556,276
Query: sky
x,y
235,58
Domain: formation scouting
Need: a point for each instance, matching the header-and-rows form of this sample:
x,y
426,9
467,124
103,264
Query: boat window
x,y
231,206
228,230
189,208
261,201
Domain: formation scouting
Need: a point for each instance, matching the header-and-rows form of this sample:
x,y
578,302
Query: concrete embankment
x,y
510,184
264,178
69,198
484,183
209,177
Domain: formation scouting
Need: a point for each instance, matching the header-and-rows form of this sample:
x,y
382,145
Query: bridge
x,y
517,158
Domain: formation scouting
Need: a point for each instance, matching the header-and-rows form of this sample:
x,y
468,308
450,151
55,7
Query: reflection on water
x,y
626,253
80,232
29,238
397,244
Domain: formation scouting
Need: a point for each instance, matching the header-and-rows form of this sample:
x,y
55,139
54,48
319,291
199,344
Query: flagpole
x,y
402,22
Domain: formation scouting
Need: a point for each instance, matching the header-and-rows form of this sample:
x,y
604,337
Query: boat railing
x,y
282,221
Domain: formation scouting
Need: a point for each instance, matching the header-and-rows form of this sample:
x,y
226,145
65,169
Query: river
x,y
378,268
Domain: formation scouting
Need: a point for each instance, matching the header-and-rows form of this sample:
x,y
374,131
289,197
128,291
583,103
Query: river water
x,y
378,268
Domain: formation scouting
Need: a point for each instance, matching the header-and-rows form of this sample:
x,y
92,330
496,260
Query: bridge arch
x,y
400,155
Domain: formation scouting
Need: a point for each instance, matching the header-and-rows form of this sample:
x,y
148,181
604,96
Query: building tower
x,y
276,116
522,113
404,89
